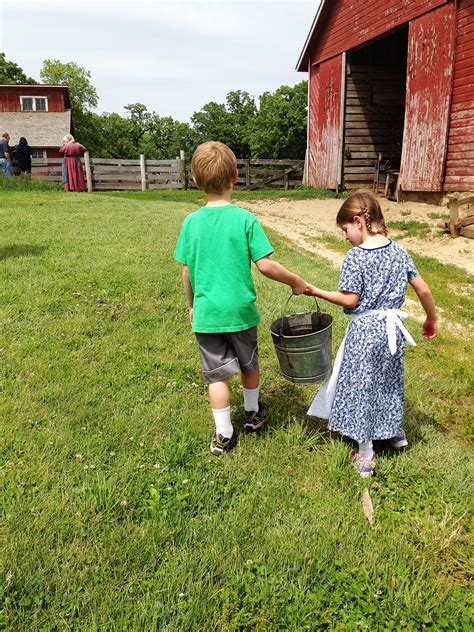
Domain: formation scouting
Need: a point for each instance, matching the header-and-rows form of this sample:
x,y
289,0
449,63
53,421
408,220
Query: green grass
x,y
444,216
409,228
116,516
26,183
196,197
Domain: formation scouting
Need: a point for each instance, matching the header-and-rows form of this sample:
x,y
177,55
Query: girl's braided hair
x,y
364,204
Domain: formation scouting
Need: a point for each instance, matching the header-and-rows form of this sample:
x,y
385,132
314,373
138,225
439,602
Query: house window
x,y
39,155
34,104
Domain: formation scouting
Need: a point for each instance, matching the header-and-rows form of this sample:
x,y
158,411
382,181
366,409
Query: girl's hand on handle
x,y
311,290
430,329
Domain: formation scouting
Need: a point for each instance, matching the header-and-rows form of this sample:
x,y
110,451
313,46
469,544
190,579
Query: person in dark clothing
x,y
5,154
23,155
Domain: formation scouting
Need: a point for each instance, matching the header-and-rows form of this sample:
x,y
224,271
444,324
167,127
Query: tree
x,y
228,123
82,93
11,73
279,129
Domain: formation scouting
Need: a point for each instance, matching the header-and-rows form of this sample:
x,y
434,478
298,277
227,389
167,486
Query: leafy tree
x,y
212,123
167,137
242,110
279,129
11,73
227,122
116,141
81,91
83,96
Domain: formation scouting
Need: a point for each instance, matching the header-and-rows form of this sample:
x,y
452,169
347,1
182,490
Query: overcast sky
x,y
173,56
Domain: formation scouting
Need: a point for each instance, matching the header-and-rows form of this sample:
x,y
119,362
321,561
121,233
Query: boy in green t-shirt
x,y
216,246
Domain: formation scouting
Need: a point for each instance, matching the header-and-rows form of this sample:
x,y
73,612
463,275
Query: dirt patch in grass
x,y
304,220
311,225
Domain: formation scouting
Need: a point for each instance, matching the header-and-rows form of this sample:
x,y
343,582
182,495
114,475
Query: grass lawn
x,y
115,515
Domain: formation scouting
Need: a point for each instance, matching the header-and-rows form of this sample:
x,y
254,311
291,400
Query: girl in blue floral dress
x,y
363,399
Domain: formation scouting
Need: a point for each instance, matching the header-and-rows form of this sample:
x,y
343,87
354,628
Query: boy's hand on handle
x,y
299,286
430,329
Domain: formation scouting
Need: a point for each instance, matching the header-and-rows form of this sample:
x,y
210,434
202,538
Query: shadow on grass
x,y
21,250
287,403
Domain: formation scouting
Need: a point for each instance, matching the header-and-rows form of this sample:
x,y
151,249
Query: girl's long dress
x,y
368,402
73,173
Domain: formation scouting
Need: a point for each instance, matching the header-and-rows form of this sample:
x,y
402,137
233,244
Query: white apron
x,y
322,403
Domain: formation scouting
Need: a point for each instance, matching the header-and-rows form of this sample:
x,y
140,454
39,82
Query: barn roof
x,y
345,24
41,129
302,65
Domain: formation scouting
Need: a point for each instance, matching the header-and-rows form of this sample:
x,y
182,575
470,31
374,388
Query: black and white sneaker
x,y
254,420
220,444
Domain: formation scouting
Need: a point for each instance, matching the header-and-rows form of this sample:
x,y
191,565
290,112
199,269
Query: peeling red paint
x,y
325,123
345,24
429,82
438,143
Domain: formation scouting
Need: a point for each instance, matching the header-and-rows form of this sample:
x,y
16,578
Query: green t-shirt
x,y
218,244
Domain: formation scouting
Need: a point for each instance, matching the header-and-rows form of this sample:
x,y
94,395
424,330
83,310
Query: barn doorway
x,y
376,77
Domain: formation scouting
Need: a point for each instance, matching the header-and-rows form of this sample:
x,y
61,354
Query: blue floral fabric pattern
x,y
369,397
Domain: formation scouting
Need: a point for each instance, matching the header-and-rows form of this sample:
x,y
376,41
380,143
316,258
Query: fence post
x,y
453,206
87,161
247,172
183,169
143,171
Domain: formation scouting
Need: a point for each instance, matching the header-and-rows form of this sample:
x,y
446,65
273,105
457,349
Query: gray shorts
x,y
223,355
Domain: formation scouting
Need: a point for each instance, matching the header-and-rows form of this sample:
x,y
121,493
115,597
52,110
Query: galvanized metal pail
x,y
303,345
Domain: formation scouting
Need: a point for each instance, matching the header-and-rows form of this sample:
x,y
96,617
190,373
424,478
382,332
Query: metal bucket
x,y
303,345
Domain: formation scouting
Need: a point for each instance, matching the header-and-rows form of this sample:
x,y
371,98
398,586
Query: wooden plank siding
x,y
325,128
429,84
58,97
459,174
373,121
346,24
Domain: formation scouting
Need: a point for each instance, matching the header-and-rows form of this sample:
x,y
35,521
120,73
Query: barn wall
x,y
350,23
460,159
10,97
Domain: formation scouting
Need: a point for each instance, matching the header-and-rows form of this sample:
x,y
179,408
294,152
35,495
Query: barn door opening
x,y
374,107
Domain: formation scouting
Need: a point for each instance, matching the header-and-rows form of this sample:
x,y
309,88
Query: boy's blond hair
x,y
214,166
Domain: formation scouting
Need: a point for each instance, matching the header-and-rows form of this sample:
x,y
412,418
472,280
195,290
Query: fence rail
x,y
108,174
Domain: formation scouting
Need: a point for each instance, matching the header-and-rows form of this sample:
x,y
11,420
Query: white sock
x,y
365,450
223,423
251,399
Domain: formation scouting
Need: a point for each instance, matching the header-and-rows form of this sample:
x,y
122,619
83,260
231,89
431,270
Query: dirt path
x,y
303,221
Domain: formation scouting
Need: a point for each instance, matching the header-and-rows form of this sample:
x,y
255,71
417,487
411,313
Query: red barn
x,y
393,78
40,113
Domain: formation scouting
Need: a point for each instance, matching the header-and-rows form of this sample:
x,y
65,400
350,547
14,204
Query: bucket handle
x,y
283,311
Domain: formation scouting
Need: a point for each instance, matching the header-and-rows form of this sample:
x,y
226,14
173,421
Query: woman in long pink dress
x,y
73,174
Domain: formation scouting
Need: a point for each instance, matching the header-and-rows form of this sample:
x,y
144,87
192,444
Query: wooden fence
x,y
104,174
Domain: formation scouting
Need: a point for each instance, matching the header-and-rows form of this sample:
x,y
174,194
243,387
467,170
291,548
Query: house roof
x,y
41,129
302,65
